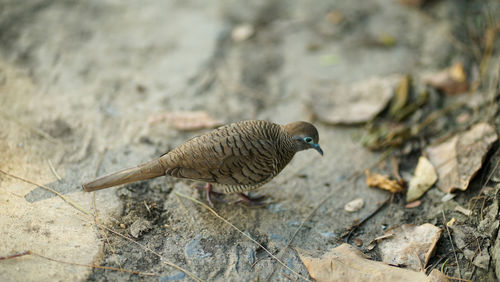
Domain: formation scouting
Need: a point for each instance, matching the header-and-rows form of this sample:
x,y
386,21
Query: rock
x,y
354,205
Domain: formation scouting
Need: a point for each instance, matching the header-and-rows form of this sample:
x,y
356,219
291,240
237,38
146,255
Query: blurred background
x,y
90,87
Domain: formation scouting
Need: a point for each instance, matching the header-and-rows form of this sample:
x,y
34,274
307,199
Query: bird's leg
x,y
211,194
253,201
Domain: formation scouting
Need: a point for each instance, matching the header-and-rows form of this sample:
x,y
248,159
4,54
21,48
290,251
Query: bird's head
x,y
305,135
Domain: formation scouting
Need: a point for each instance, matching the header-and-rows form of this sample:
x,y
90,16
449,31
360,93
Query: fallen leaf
x,y
354,205
382,182
411,245
425,176
354,103
185,120
401,96
346,263
458,159
450,81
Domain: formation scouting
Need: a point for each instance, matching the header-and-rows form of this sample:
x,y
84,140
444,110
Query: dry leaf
x,y
354,205
411,245
401,96
425,176
186,120
382,182
459,158
450,81
355,103
346,263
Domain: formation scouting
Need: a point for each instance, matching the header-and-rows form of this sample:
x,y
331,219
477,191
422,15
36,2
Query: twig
x,y
97,266
17,255
147,208
288,276
54,170
240,231
102,226
67,200
452,245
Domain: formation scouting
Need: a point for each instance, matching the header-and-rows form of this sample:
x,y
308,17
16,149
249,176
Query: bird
x,y
234,158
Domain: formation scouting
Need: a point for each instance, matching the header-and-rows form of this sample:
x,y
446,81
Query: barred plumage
x,y
237,157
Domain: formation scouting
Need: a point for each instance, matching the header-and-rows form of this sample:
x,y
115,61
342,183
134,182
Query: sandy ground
x,y
80,79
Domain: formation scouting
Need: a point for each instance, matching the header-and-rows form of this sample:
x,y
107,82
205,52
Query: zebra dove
x,y
234,158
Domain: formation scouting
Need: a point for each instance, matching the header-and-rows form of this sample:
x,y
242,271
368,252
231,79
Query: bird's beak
x,y
318,148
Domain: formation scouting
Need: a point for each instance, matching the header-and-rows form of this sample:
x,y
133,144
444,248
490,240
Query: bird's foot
x,y
245,199
210,194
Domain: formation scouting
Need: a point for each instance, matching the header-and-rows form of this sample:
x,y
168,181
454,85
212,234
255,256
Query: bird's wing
x,y
227,160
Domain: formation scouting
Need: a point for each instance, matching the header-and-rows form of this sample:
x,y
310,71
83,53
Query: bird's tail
x,y
143,171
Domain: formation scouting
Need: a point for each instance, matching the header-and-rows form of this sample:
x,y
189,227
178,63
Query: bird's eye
x,y
308,140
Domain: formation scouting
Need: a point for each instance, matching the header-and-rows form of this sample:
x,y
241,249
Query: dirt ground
x,y
79,81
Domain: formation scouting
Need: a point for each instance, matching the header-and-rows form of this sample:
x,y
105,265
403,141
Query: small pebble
x,y
354,205
122,226
358,242
242,32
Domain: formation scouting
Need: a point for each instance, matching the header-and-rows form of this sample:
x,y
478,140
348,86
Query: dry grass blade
x,y
241,232
97,266
51,166
98,227
30,252
17,255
